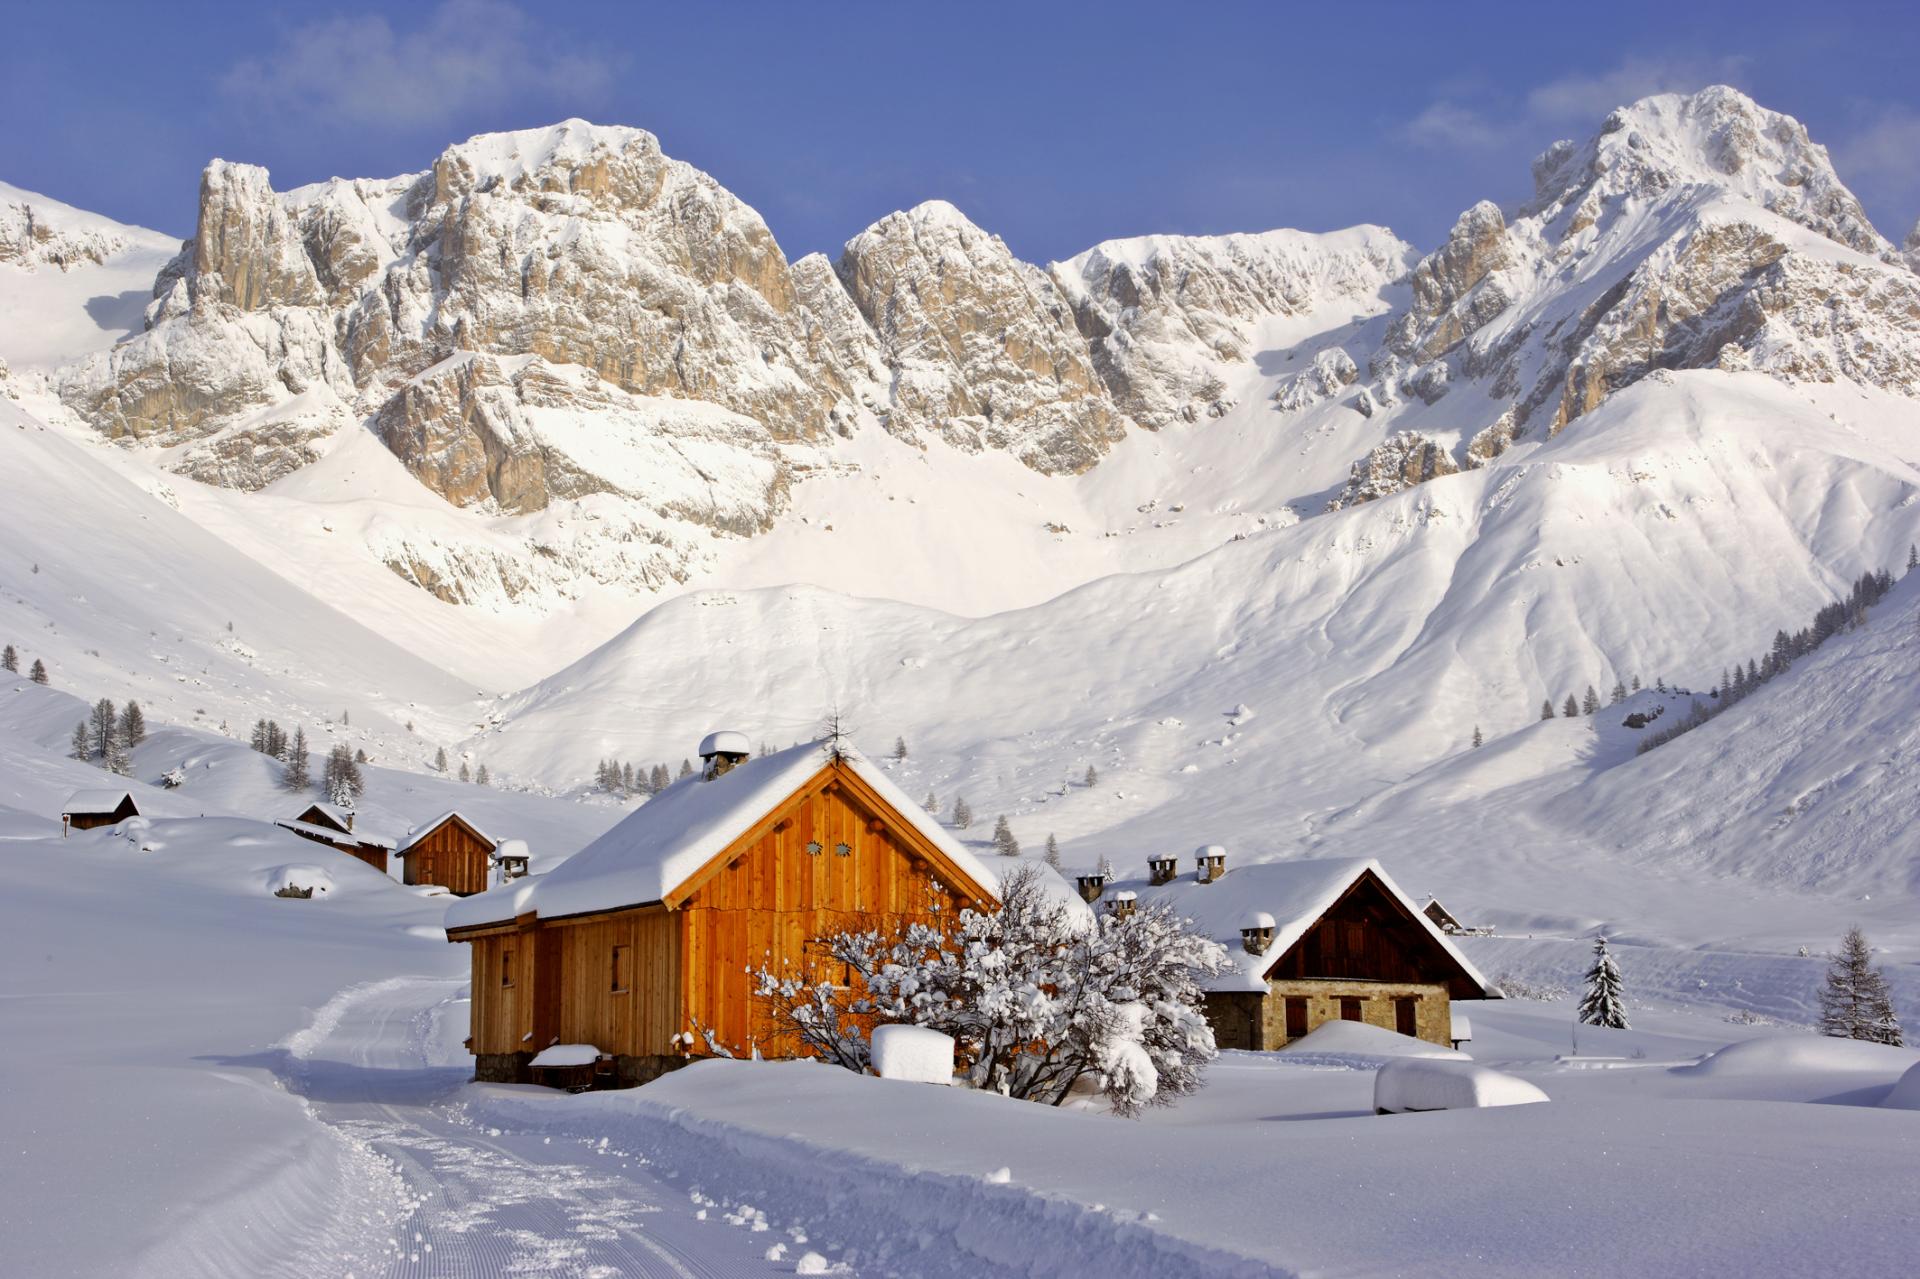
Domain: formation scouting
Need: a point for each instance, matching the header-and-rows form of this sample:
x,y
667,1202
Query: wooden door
x,y
1405,1017
1296,1017
547,987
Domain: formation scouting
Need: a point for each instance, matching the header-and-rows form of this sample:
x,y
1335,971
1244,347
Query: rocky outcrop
x,y
1330,372
1449,302
1490,441
1167,317
1397,463
1910,250
34,234
982,346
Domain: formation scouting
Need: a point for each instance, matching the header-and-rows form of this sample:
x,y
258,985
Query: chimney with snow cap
x,y
1091,886
1162,870
720,751
1256,932
1213,863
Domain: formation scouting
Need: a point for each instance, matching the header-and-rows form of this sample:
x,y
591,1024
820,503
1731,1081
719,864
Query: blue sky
x,y
1055,126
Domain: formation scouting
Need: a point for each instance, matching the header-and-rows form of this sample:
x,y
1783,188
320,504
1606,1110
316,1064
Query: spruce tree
x,y
1053,851
1602,1005
106,729
1003,841
660,778
1590,704
932,804
466,775
626,777
82,744
1856,1002
1913,562
39,672
1477,739
899,748
297,775
342,780
133,725
686,767
9,660
1619,693
962,814
440,760
1571,709
1092,778
481,776
1546,708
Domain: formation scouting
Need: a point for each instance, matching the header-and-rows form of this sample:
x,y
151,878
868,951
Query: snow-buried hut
x,y
1314,941
641,943
333,826
87,809
450,851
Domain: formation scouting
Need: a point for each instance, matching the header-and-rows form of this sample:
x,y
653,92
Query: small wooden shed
x,y
1442,917
87,809
648,935
450,851
333,826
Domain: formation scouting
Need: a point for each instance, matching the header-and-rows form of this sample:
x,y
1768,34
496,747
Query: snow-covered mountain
x,y
1259,526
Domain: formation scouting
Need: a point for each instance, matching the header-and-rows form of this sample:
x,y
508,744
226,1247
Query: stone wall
x,y
1246,1020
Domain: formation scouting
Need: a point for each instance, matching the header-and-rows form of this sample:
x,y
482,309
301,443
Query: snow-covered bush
x,y
1036,996
174,777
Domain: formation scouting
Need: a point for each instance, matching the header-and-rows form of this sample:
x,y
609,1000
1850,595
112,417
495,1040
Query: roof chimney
x,y
1256,932
1091,886
1123,904
1162,870
720,751
1212,859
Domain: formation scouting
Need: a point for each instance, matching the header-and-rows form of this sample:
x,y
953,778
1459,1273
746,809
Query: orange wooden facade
x,y
631,980
453,855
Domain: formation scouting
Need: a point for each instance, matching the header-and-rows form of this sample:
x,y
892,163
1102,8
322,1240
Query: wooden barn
x,y
640,944
86,809
449,851
1315,941
333,826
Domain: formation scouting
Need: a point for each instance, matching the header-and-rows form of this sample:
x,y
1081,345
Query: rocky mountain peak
x,y
1910,250
36,231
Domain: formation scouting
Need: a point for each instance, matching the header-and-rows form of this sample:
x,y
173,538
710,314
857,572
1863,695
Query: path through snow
x,y
483,1202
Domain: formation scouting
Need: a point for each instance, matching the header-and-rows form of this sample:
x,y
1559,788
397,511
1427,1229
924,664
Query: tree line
x,y
105,736
341,777
10,662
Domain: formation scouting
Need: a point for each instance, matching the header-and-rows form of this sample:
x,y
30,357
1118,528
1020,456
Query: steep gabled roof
x,y
1296,894
657,849
338,817
328,834
417,833
97,801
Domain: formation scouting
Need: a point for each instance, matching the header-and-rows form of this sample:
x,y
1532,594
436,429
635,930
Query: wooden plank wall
x,y
453,857
502,1016
640,1021
763,908
1367,935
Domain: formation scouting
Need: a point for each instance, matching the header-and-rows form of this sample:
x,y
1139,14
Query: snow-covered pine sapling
x,y
1478,740
9,660
1602,1004
1003,841
1546,709
82,742
39,672
1053,851
342,780
932,804
1856,1002
174,778
899,748
962,813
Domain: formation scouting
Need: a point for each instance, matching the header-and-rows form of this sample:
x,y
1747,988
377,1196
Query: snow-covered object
x,y
725,742
914,1053
317,880
420,831
1790,1054
1461,1029
1257,919
1906,1091
96,800
566,1055
1418,1083
1293,893
511,848
659,845
1366,1044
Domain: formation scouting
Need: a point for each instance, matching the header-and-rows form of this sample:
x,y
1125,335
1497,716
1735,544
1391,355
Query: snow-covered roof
x,y
329,835
96,801
1294,893
725,742
669,838
417,833
339,816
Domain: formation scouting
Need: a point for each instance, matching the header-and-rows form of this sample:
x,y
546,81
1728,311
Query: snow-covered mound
x,y
1360,1043
1906,1091
1810,1054
1415,1083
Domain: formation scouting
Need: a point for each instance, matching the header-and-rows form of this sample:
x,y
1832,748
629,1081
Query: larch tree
x,y
932,804
133,724
298,773
106,729
1590,704
39,672
1619,693
1053,851
1636,683
686,767
1602,1004
466,774
9,660
899,748
1856,1002
1913,562
342,780
82,742
1003,841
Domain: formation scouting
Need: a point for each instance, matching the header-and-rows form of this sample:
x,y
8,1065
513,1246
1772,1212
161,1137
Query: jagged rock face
x,y
247,251
1397,463
1491,441
1331,372
1164,316
983,346
29,239
1910,251
1447,305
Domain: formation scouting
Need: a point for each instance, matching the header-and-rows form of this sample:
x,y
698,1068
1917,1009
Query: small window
x,y
506,968
1349,1008
621,973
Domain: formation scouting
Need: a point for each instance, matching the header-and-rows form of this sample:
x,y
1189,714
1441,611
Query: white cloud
x,y
1450,124
360,70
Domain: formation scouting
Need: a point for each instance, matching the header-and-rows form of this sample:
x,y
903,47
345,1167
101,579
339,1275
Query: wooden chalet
x,y
640,944
333,826
87,809
449,851
1315,941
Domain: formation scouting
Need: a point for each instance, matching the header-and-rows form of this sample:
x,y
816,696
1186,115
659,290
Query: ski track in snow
x,y
484,1202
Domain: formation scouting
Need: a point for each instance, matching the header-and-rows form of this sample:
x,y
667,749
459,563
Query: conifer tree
x,y
1913,562
82,744
626,777
1636,683
962,814
1856,1002
133,725
440,760
482,777
39,672
1004,842
1478,740
1602,1005
1546,708
466,774
899,748
1590,704
297,775
686,767
658,778
932,804
1619,693
106,729
9,660
342,780
1093,778
1571,708
1053,851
